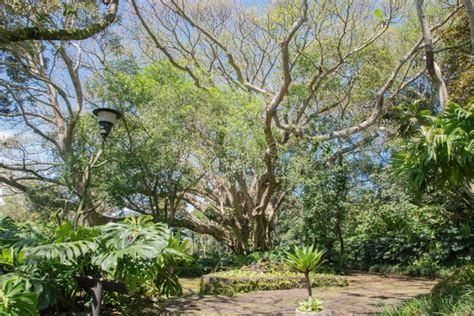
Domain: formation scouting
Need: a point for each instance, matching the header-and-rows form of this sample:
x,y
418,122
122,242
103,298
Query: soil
x,y
366,294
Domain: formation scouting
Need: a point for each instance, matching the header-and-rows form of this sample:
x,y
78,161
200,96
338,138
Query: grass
x,y
454,295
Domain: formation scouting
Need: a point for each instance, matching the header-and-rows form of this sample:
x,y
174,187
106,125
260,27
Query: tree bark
x,y
433,69
40,33
308,284
470,12
260,233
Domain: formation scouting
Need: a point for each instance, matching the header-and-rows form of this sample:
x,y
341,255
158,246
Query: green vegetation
x,y
440,154
311,304
235,281
14,298
454,295
305,260
39,265
243,134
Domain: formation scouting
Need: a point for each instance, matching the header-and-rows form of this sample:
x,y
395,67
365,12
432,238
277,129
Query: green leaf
x,y
379,14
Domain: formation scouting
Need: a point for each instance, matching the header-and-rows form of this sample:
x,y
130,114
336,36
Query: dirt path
x,y
367,293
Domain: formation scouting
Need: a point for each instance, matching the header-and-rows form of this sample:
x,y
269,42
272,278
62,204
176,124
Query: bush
x,y
417,241
454,295
238,281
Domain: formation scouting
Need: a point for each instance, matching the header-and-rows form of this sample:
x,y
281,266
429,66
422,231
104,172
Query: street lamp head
x,y
106,118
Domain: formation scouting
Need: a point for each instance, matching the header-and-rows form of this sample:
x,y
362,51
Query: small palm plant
x,y
305,259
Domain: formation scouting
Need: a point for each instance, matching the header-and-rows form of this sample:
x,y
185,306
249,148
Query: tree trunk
x,y
260,233
470,12
308,284
433,69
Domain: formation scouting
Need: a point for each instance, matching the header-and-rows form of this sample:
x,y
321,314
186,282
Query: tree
x,y
165,158
43,99
457,63
433,68
61,20
312,73
291,57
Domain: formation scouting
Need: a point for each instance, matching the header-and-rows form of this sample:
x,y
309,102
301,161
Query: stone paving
x,y
366,294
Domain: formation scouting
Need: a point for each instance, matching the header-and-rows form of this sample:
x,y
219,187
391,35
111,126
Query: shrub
x,y
14,298
237,281
418,241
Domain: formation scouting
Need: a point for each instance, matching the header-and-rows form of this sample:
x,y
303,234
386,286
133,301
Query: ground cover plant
x,y
236,281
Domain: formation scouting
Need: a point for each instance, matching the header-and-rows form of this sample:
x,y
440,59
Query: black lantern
x,y
106,118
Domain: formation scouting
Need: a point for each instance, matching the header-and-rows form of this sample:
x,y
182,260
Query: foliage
x,y
238,281
454,295
14,298
304,259
311,304
137,251
66,252
25,21
382,227
441,154
325,197
413,240
457,65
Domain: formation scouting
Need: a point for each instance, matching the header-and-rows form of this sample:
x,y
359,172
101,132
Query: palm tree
x,y
305,259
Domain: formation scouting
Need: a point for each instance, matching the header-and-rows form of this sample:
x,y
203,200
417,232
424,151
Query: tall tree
x,y
292,57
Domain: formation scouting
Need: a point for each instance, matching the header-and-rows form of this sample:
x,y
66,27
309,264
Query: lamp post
x,y
106,118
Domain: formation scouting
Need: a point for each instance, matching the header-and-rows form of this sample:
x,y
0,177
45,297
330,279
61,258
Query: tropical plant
x,y
66,252
311,304
133,251
14,299
137,251
440,155
305,259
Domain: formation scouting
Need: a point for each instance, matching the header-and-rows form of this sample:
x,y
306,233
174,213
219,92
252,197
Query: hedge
x,y
228,283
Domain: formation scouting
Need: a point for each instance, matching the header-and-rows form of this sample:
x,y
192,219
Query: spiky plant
x,y
305,259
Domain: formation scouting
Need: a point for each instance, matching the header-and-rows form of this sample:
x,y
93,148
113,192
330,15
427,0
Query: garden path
x,y
366,294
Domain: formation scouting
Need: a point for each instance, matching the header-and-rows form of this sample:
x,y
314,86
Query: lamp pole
x,y
106,118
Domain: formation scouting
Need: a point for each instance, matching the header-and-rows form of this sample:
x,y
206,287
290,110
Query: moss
x,y
236,281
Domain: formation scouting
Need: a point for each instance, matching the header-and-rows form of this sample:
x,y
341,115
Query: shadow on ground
x,y
366,294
